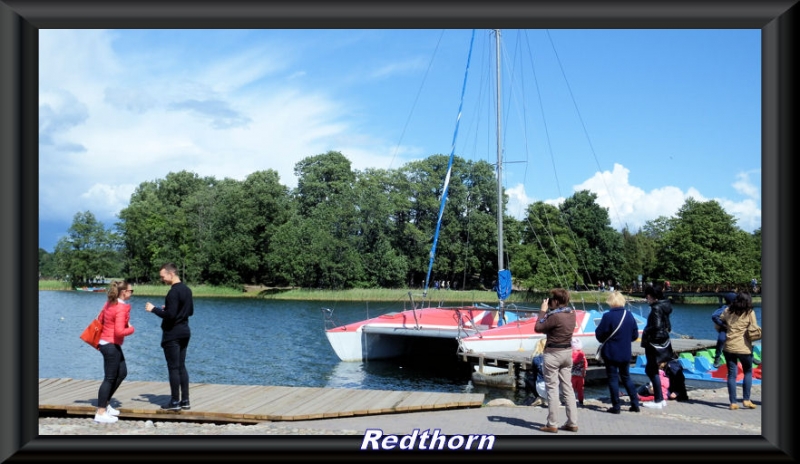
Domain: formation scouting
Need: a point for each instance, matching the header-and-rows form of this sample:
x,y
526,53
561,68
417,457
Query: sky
x,y
642,118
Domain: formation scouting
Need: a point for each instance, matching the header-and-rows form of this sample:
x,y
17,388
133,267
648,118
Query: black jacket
x,y
658,326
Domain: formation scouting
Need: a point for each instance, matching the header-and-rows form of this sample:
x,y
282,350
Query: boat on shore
x,y
91,289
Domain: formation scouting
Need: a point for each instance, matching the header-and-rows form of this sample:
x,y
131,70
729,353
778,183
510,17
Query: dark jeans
x,y
733,370
721,337
651,369
114,372
617,372
175,353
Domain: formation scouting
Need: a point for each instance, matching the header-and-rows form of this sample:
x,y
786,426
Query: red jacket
x,y
115,319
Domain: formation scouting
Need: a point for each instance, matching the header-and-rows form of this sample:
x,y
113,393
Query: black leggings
x,y
114,369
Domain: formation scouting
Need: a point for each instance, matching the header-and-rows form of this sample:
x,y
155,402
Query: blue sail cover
x,y
503,284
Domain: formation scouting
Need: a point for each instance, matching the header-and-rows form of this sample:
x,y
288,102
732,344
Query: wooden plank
x,y
245,403
315,407
284,410
363,404
415,401
77,393
386,401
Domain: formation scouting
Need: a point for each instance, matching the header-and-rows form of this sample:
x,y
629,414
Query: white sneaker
x,y
655,405
111,411
105,418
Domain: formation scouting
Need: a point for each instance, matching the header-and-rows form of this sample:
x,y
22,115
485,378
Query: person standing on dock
x,y
557,320
617,351
656,331
739,348
175,313
721,326
116,319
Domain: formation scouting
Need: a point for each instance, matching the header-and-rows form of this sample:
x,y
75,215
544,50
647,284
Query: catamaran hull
x,y
426,332
392,343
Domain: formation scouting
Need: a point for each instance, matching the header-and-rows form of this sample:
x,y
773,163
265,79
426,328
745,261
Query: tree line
x,y
343,228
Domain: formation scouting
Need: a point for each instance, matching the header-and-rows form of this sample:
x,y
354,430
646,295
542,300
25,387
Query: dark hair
x,y
170,267
742,304
558,297
654,291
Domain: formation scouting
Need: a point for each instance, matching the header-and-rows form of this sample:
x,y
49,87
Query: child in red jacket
x,y
579,365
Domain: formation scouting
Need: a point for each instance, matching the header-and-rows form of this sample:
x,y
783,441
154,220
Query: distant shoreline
x,y
434,296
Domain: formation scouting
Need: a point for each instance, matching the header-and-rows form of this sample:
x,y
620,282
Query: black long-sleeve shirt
x,y
178,306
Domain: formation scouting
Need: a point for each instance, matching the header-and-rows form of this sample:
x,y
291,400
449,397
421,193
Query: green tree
x,y
704,246
47,264
547,256
88,250
317,246
599,246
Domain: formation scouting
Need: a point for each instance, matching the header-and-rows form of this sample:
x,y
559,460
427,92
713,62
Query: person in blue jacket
x,y
617,351
721,326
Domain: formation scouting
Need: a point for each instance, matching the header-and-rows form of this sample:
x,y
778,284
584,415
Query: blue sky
x,y
643,118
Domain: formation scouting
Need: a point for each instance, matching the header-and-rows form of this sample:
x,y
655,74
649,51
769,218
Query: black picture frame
x,y
20,21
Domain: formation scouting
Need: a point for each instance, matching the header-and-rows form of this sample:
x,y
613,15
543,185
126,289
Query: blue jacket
x,y
618,347
719,324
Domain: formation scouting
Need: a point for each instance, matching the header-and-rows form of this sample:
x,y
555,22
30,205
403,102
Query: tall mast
x,y
500,265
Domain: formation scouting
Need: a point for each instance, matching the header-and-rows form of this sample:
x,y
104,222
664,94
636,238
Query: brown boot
x,y
734,406
748,404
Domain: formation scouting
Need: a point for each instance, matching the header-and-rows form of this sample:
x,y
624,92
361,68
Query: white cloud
x,y
632,206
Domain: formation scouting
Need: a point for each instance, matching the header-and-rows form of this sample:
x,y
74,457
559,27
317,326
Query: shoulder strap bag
x,y
91,334
598,355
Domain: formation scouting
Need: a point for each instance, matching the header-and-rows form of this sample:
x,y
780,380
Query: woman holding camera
x,y
557,320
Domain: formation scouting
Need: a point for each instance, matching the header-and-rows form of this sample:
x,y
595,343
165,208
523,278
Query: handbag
x,y
753,332
598,355
91,334
664,351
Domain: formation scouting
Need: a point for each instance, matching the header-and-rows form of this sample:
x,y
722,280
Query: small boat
x,y
699,370
91,289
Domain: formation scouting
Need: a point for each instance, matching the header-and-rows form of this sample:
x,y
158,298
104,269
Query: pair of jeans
x,y
558,379
616,372
175,354
722,336
114,372
731,360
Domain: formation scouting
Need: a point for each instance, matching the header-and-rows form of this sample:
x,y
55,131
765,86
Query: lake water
x,y
266,342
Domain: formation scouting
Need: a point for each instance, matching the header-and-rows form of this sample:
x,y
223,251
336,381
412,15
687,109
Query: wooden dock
x,y
513,363
242,403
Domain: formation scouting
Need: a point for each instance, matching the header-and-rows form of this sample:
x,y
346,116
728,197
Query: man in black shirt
x,y
175,334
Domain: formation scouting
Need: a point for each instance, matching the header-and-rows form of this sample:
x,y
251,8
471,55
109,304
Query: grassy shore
x,y
376,294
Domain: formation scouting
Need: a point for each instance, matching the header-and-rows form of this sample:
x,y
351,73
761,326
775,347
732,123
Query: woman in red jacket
x,y
115,316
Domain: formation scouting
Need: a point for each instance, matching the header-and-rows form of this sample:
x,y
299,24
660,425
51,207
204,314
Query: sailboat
x,y
446,330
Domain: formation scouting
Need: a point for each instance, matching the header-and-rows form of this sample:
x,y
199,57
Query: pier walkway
x,y
242,403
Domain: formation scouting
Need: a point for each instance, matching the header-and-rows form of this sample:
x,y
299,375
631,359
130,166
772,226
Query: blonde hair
x,y
540,346
616,299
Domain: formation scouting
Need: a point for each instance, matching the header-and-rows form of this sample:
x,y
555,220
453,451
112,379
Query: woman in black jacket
x,y
655,332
